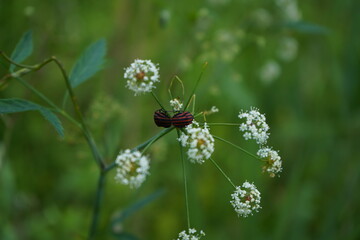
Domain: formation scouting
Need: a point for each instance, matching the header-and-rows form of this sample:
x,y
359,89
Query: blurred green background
x,y
298,62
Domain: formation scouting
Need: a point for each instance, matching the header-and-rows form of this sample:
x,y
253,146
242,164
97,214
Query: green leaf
x,y
22,50
13,105
136,206
90,62
305,27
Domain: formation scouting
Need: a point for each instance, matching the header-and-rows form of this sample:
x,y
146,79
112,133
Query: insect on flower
x,y
162,118
182,119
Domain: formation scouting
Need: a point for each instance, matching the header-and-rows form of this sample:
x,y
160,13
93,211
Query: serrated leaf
x,y
89,63
14,105
305,27
136,206
22,50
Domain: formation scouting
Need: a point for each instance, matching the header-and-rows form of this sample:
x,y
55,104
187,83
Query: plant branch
x,y
97,205
237,147
144,145
185,182
222,172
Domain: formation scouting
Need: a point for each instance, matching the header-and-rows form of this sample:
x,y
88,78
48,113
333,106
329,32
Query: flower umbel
x,y
176,104
141,76
199,141
191,235
132,168
255,126
246,199
272,161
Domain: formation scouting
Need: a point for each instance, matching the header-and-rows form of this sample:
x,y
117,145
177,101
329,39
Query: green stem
x,y
157,100
185,182
97,205
237,147
87,134
145,144
223,173
195,87
48,101
224,124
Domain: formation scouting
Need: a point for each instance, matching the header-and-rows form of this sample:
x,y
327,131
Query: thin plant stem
x,y
97,206
224,124
144,145
222,172
185,182
157,100
237,147
48,101
87,134
171,83
195,86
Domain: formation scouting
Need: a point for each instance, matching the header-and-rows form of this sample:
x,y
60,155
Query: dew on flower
x,y
255,126
246,199
191,234
199,141
141,76
272,161
132,168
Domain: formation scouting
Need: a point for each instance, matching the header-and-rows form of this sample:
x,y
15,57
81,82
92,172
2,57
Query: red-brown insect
x,y
182,119
162,118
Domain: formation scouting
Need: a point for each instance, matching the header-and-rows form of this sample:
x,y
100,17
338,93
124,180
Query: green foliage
x,y
89,63
306,27
15,105
22,50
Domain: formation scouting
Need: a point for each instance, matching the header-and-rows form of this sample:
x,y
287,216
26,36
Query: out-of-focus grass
x,y
47,184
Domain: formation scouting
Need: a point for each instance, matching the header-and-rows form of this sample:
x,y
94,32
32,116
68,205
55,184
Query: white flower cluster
x,y
199,141
141,76
272,161
132,168
176,104
255,126
246,199
191,235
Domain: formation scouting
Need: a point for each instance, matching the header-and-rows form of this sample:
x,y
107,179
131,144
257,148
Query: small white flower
x,y
272,161
176,104
255,126
246,199
199,141
132,168
214,109
141,76
192,234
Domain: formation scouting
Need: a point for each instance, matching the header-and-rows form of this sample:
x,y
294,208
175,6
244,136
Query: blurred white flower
x,y
290,10
132,168
246,199
255,126
272,160
141,76
262,18
214,109
269,71
192,234
199,141
176,104
287,49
